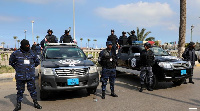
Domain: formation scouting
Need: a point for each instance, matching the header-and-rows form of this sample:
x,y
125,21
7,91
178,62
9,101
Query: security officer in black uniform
x,y
113,38
189,55
123,39
49,38
108,62
66,38
24,62
147,59
132,38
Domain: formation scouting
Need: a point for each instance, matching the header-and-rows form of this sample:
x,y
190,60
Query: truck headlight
x,y
165,65
47,71
92,69
188,64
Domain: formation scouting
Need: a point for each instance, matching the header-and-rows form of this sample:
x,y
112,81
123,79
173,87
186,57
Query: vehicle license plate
x,y
183,72
72,82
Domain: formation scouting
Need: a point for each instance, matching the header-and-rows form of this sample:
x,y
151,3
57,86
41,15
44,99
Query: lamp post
x,y
74,21
191,31
32,31
25,33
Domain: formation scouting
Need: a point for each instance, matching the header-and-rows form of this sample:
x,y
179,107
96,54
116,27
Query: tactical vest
x,y
67,39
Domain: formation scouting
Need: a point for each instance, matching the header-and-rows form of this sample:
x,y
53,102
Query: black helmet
x,y
133,31
147,44
112,30
191,43
67,31
123,32
49,31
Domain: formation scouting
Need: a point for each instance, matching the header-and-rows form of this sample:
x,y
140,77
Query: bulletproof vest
x,y
108,59
51,39
112,38
132,38
67,38
123,40
147,58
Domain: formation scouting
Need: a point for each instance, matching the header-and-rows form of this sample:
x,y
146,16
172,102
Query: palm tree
x,y
141,35
88,43
3,44
182,28
15,37
18,43
81,39
95,40
37,37
150,39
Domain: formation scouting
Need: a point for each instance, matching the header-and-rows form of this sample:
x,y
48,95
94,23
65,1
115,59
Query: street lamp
x,y
25,33
74,21
191,31
32,31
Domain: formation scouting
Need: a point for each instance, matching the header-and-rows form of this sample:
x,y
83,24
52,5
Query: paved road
x,y
166,98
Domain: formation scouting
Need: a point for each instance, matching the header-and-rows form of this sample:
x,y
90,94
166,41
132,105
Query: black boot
x,y
36,105
103,95
185,82
149,88
113,94
190,81
18,106
141,88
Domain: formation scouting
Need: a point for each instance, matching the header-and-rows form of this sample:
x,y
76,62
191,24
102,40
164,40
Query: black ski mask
x,y
25,46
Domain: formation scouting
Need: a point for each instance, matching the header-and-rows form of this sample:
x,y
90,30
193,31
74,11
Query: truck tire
x,y
91,90
43,95
155,82
178,82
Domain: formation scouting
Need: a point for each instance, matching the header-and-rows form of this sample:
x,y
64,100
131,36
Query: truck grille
x,y
71,72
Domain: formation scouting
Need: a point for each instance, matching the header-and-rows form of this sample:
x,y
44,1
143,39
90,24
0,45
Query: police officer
x,y
66,38
147,61
24,62
33,46
189,55
49,38
108,62
132,38
123,39
113,38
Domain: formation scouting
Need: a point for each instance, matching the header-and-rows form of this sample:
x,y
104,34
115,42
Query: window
x,y
125,50
135,50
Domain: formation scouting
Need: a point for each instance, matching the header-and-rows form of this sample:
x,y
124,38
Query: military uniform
x,y
113,38
146,61
66,38
24,62
123,39
189,55
132,38
49,38
108,62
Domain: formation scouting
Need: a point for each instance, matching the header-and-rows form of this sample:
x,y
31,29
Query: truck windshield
x,y
159,51
64,53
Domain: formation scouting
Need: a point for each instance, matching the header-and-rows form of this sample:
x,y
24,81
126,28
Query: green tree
x,y
95,40
150,39
15,38
88,43
3,43
18,43
37,37
81,39
141,34
182,28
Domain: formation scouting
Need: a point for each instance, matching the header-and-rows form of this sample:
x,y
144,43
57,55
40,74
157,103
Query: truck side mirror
x,y
136,55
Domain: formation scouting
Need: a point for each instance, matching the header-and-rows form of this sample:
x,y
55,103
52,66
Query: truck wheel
x,y
155,82
43,95
91,90
178,82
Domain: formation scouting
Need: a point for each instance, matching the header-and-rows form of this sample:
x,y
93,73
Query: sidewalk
x,y
7,76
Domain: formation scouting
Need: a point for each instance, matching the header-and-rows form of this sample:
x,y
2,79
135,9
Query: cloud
x,y
138,14
8,18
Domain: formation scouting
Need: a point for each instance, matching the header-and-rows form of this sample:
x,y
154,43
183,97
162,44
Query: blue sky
x,y
95,19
